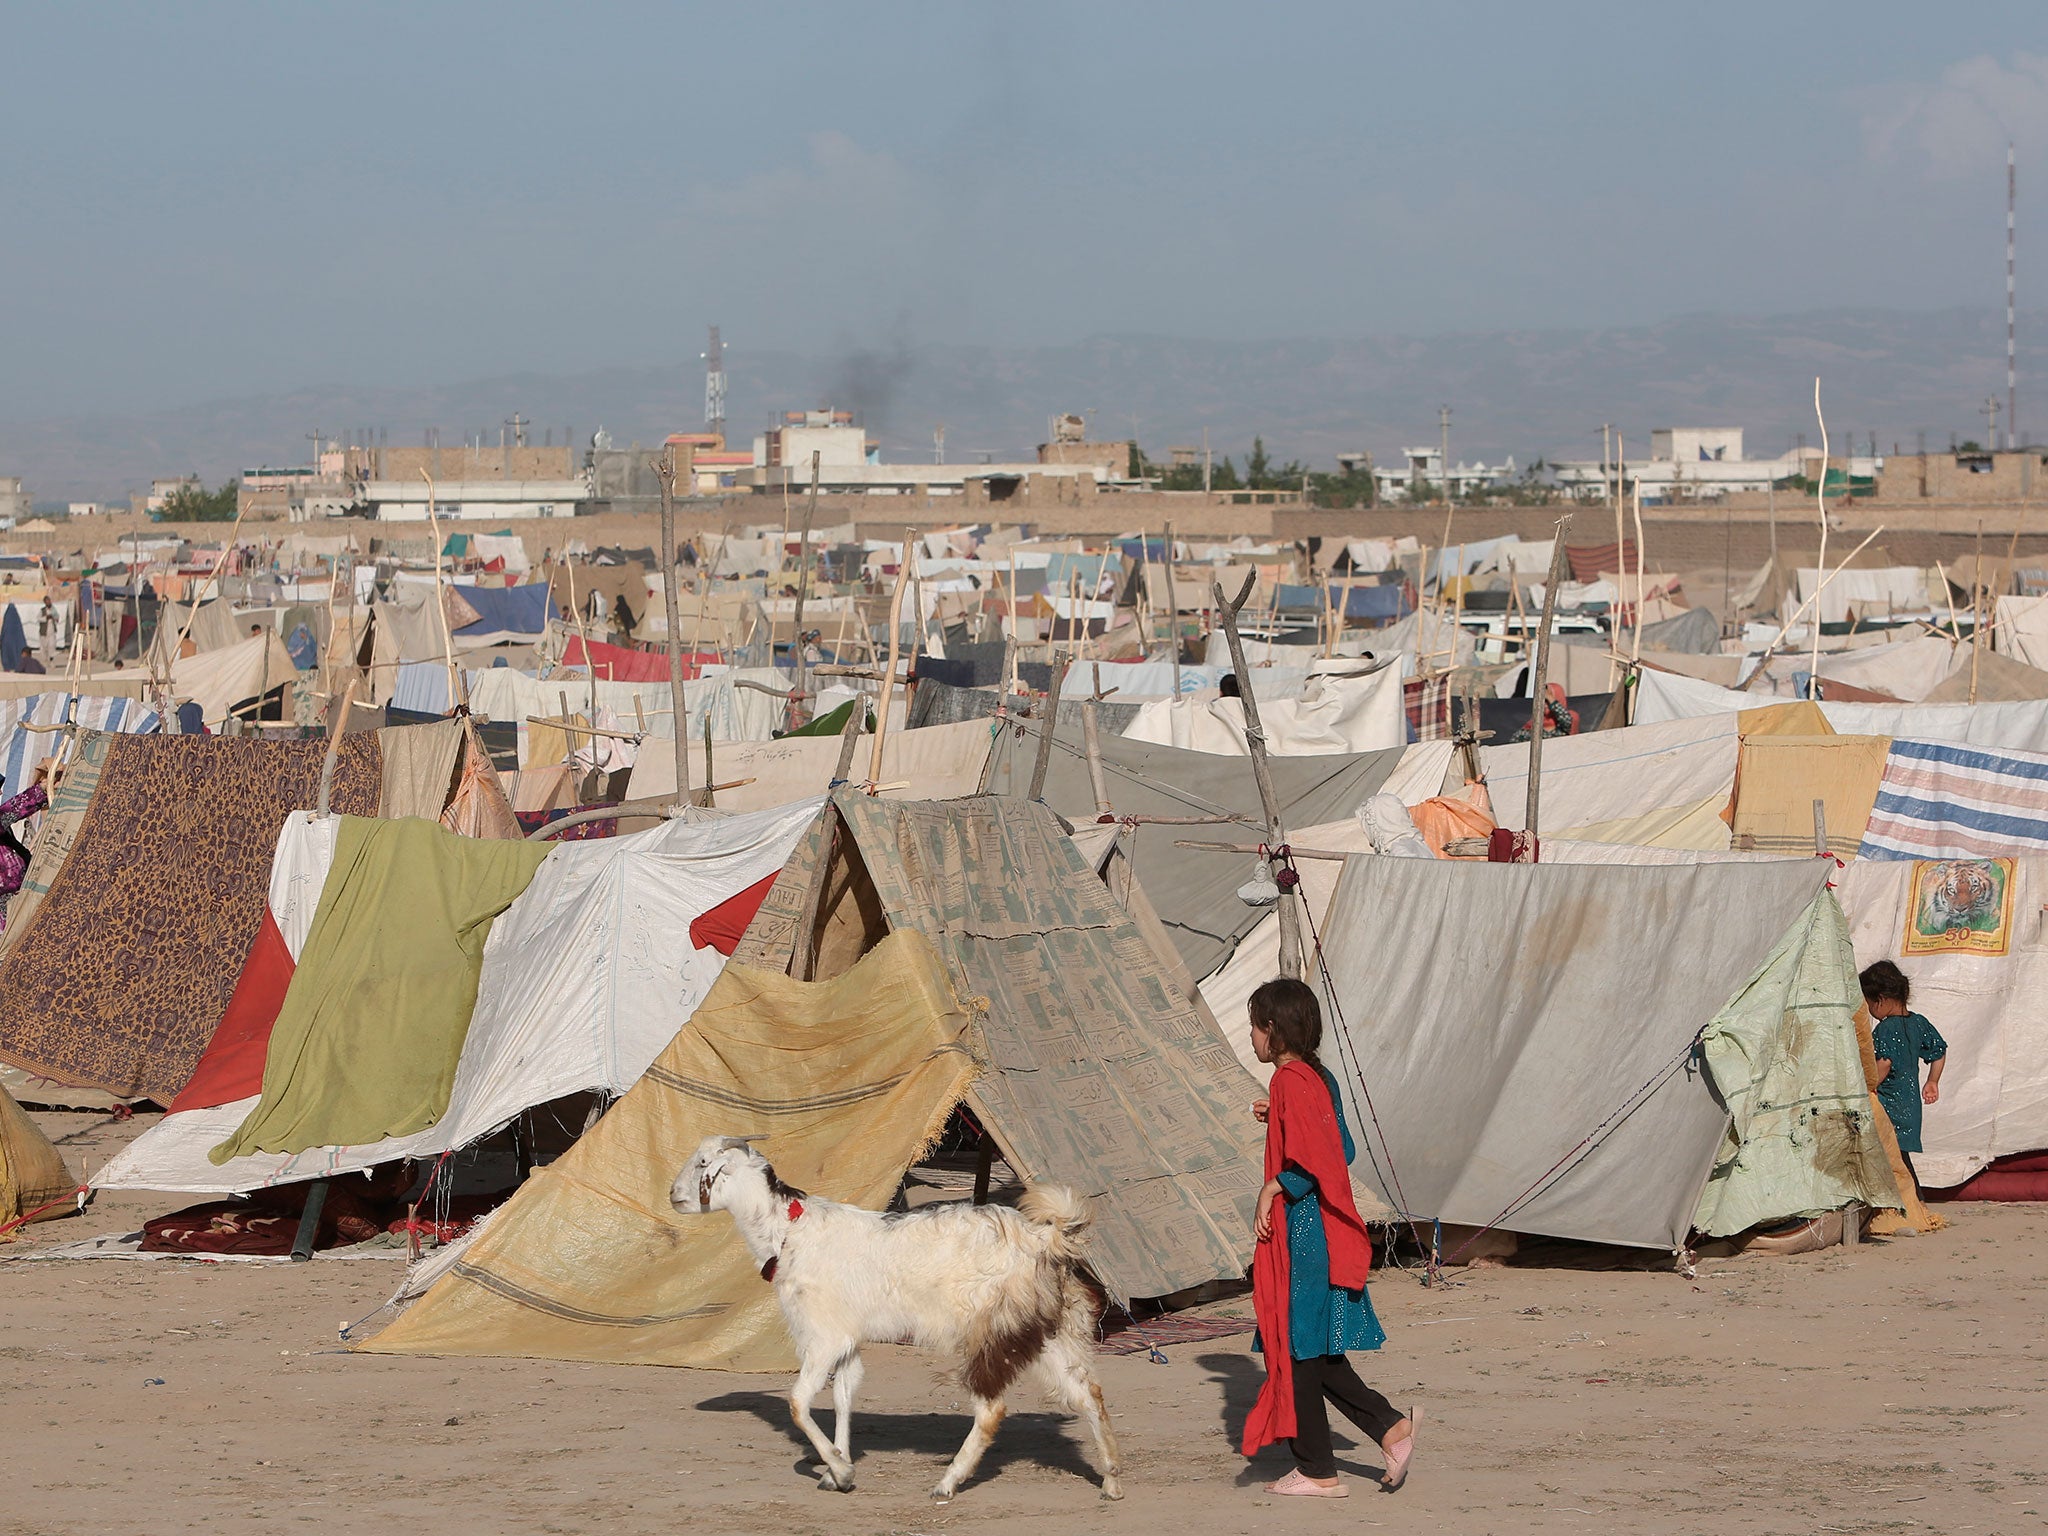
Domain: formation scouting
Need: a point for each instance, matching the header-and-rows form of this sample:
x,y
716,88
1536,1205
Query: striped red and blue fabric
x,y
1938,800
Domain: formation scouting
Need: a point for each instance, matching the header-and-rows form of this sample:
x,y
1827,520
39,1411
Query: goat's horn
x,y
744,1141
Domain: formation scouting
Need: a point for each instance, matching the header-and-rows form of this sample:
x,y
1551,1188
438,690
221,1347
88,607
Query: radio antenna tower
x,y
714,386
2011,350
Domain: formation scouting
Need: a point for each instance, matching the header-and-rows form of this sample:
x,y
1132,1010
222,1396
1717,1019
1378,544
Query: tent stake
x,y
1255,739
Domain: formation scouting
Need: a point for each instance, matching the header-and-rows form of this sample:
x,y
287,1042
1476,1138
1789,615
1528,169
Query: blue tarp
x,y
1153,550
518,610
1390,602
1364,602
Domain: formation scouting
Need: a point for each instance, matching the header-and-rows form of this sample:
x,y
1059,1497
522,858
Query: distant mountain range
x,y
1530,394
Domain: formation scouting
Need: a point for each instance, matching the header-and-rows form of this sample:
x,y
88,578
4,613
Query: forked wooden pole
x,y
1255,740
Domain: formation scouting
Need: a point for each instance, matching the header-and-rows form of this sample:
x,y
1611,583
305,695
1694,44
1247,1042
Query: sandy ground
x,y
1894,1387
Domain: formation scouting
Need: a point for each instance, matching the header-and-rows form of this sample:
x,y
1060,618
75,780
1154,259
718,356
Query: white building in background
x,y
850,463
1697,464
1425,467
86,509
162,490
14,505
405,501
831,435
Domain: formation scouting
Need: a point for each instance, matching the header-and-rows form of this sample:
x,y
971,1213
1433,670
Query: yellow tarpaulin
x,y
1778,778
849,1079
31,1171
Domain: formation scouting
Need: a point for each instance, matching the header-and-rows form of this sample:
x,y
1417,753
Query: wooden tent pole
x,y
1092,736
1045,727
1539,680
849,733
797,713
1173,611
889,673
1255,739
1976,611
455,695
665,472
340,730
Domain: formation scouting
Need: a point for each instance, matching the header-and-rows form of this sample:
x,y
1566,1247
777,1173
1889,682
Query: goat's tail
x,y
1062,1213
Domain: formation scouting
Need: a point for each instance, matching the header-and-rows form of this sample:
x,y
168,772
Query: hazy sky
x,y
208,201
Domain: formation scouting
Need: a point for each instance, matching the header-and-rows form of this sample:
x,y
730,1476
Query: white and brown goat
x,y
999,1289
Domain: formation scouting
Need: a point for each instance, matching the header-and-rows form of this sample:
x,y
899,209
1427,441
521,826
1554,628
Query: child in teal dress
x,y
1902,1040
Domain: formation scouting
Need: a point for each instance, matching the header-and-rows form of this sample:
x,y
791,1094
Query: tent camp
x,y
1528,1069
1096,1072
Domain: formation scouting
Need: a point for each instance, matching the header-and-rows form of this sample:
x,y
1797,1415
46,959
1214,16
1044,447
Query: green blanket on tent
x,y
366,1043
833,723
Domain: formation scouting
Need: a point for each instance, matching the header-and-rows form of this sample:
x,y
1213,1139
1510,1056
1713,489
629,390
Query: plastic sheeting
x,y
936,762
1195,891
1872,593
735,714
1785,1058
584,981
1662,696
1503,1014
1663,783
1328,714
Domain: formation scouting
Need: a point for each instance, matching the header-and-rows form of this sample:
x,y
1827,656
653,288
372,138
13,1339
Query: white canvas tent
x,y
1526,1034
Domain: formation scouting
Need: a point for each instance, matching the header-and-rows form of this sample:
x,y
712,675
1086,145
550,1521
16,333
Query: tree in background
x,y
196,504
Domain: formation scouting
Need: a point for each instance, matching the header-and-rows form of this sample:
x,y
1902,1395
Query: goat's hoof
x,y
1112,1489
942,1494
836,1482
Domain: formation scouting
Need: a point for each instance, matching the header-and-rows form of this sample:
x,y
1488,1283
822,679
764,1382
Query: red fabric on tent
x,y
1589,560
618,664
722,927
232,1066
2018,1176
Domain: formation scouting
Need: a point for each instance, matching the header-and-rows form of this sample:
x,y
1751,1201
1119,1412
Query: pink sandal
x,y
1299,1485
1399,1458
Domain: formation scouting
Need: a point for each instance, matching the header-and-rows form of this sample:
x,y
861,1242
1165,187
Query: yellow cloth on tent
x,y
1803,718
31,1171
372,1025
1777,779
849,1079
